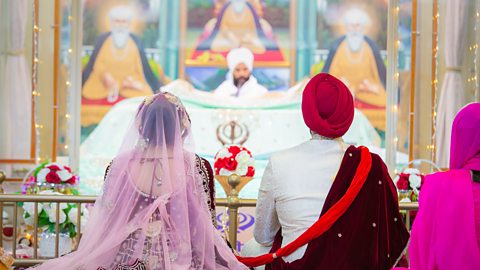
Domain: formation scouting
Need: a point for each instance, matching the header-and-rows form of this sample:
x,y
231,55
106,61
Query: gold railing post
x,y
57,229
35,230
3,177
233,204
14,240
79,225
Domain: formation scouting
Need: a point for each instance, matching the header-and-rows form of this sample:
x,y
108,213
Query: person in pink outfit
x,y
446,231
153,212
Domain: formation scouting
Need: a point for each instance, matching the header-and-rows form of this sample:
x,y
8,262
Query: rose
x,y
64,175
251,171
231,164
42,174
72,180
223,153
241,170
402,183
234,150
53,167
243,157
52,213
219,164
415,181
30,208
52,177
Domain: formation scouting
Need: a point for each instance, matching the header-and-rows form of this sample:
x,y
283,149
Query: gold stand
x,y
232,185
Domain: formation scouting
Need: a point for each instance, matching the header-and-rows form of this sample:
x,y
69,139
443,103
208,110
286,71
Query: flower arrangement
x,y
234,160
408,183
68,217
51,176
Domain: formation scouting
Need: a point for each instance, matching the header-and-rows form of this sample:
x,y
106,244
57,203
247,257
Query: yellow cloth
x,y
120,64
357,70
237,30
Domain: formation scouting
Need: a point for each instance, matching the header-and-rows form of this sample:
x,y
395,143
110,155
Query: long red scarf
x,y
325,222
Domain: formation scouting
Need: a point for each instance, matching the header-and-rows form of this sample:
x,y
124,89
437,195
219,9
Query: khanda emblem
x,y
232,133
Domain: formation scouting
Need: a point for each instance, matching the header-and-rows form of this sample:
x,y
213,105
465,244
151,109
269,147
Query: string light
x,y
393,76
476,53
434,80
35,93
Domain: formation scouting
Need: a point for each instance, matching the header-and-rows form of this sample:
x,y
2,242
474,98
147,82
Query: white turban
x,y
121,13
240,55
356,16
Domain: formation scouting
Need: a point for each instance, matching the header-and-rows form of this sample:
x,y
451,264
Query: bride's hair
x,y
162,110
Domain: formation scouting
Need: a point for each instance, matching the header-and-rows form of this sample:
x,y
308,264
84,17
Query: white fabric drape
x,y
452,96
15,86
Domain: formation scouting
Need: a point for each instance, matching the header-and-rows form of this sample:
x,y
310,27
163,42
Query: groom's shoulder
x,y
288,154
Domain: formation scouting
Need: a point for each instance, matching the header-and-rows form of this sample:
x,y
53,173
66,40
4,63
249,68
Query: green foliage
x,y
40,167
44,221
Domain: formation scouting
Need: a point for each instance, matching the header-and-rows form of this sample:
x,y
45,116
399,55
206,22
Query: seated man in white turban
x,y
240,82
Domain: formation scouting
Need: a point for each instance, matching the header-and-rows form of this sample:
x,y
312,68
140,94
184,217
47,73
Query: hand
x,y
366,86
131,83
108,81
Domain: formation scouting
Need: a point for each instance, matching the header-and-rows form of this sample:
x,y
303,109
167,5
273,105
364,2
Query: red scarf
x,y
325,222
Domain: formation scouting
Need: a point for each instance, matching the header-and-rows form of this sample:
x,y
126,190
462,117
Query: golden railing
x,y
233,203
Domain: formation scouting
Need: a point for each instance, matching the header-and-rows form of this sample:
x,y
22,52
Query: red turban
x,y
327,106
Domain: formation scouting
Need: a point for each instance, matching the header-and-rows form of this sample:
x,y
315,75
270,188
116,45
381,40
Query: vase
x,y
223,180
47,244
404,195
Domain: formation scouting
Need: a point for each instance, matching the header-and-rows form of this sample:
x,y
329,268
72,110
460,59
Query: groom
x,y
324,204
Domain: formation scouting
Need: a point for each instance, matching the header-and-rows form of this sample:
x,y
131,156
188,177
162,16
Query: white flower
x,y
223,153
30,208
64,175
225,172
51,211
415,181
42,175
411,171
242,157
241,170
395,180
85,217
73,215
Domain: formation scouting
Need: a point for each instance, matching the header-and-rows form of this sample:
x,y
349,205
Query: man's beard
x,y
120,37
354,41
240,81
238,5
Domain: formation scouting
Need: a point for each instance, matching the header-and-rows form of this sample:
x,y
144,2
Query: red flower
x,y
68,169
72,180
54,168
231,164
251,171
403,183
52,177
219,164
234,150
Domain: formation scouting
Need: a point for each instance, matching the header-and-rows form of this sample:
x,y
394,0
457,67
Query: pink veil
x,y
444,234
152,213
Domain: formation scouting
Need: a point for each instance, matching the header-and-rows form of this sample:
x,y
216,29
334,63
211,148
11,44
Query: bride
x,y
152,213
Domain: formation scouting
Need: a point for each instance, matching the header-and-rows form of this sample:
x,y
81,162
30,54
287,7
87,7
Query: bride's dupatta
x,y
152,213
